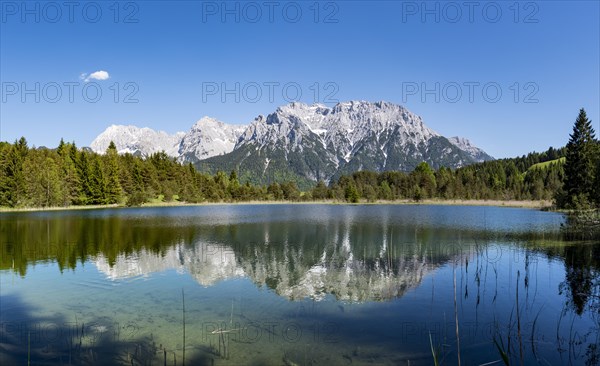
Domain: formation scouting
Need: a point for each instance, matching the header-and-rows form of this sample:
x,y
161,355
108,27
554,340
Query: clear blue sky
x,y
170,58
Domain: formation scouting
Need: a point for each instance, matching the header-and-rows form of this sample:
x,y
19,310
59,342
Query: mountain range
x,y
304,142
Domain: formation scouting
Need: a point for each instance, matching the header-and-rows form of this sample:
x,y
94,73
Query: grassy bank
x,y
497,203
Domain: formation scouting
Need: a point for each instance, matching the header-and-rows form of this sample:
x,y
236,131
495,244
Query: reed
x,y
183,321
533,332
456,318
502,351
558,339
519,321
433,352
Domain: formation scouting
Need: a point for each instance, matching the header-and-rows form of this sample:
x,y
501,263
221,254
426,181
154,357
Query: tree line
x,y
67,175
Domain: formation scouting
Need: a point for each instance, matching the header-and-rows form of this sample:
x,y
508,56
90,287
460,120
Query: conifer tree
x,y
351,193
580,164
234,186
97,183
113,184
4,181
68,173
320,191
385,192
14,180
83,173
597,180
424,179
290,191
43,187
275,191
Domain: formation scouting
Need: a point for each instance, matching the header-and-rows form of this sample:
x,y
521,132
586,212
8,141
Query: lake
x,y
297,285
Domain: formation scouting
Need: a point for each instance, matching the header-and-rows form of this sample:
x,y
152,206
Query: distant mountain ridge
x,y
307,142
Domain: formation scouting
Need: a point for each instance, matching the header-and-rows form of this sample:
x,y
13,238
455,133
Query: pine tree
x,y
4,181
221,180
417,194
113,187
14,178
188,185
68,173
138,195
234,186
125,162
42,181
369,193
597,181
275,191
424,179
445,183
83,173
97,183
351,193
580,164
320,191
290,191
385,192
137,176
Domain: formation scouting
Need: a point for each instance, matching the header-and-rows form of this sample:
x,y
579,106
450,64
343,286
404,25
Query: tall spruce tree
x,y
15,178
83,172
597,181
424,180
113,186
234,186
319,191
68,172
580,164
4,180
351,193
97,182
43,186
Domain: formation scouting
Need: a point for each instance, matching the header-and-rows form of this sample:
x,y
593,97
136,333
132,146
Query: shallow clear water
x,y
296,285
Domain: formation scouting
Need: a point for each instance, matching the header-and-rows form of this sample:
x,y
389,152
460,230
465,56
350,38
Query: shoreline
x,y
541,205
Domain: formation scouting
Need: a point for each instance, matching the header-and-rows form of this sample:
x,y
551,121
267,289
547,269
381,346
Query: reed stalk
x,y
456,317
183,320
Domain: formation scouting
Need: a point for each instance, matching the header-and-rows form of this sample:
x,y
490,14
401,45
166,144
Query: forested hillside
x,y
506,179
66,175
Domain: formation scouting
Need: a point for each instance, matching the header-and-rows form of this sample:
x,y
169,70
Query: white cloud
x,y
97,75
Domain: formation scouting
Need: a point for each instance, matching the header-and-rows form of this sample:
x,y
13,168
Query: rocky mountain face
x,y
466,145
305,142
207,138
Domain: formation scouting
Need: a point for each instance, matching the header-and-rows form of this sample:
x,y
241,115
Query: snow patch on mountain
x,y
138,141
207,138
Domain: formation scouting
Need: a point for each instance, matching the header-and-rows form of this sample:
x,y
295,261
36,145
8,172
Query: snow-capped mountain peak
x,y
208,137
311,141
138,141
